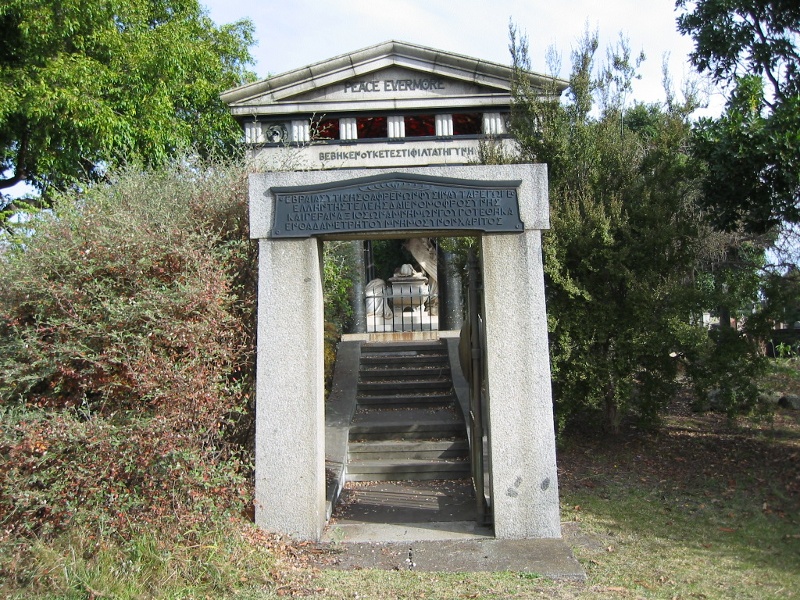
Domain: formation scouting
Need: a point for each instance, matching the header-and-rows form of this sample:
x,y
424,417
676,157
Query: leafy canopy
x,y
753,150
86,84
630,265
735,38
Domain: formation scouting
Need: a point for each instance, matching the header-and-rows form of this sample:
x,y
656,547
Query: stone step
x,y
402,449
407,371
407,431
411,399
407,470
404,348
406,426
400,354
405,385
388,362
415,415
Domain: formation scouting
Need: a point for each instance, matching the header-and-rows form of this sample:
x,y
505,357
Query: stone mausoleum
x,y
390,105
385,143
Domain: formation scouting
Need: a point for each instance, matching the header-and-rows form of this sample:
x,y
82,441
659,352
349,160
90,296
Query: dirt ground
x,y
696,451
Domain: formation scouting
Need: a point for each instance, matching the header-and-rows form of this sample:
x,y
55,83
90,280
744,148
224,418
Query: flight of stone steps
x,y
407,425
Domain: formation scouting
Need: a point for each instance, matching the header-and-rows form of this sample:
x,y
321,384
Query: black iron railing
x,y
394,311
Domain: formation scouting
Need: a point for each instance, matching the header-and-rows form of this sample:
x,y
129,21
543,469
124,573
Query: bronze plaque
x,y
396,202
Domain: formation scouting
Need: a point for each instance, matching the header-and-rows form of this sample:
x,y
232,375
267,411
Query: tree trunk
x,y
612,417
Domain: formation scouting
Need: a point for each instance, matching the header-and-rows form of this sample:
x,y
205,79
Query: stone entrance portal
x,y
290,457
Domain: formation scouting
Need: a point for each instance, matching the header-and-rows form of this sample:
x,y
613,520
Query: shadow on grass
x,y
700,503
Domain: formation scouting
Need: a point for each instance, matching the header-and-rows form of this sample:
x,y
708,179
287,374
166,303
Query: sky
x,y
294,33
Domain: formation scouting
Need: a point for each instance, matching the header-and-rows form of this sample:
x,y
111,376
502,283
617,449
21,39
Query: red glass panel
x,y
371,127
420,125
328,129
467,124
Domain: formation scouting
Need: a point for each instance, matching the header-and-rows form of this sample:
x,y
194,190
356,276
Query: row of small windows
x,y
379,127
398,127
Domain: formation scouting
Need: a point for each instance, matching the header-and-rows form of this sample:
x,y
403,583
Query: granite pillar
x,y
290,415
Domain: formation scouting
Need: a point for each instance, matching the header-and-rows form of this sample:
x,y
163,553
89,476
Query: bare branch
x,y
776,86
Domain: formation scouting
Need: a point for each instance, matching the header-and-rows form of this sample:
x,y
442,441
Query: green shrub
x,y
127,355
725,371
630,261
110,477
126,296
338,270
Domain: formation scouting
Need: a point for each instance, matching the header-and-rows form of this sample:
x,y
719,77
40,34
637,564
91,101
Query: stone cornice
x,y
414,104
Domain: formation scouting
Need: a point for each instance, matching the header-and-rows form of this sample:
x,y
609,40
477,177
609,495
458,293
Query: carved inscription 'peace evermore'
x,y
396,202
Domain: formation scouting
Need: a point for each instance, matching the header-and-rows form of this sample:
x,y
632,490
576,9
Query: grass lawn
x,y
702,509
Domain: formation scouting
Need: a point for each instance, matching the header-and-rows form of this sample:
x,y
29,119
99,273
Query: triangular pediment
x,y
390,74
390,83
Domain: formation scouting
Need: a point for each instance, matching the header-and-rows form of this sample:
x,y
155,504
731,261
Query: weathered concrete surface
x,y
546,557
430,526
522,446
406,502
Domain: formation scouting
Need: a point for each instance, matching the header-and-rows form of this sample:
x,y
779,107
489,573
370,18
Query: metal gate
x,y
478,433
398,304
389,309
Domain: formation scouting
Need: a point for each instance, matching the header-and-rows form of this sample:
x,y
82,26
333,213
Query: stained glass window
x,y
371,127
467,124
420,125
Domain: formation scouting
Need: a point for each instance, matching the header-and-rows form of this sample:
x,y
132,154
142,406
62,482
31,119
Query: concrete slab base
x,y
365,533
430,526
550,558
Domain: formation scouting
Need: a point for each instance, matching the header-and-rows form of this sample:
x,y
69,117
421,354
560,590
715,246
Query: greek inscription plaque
x,y
396,202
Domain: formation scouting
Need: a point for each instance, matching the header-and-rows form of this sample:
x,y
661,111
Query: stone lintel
x,y
532,191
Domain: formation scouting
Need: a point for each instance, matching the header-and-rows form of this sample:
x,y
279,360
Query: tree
x,y
87,84
629,263
753,150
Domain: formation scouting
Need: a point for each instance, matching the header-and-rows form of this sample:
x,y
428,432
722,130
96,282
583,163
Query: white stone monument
x,y
416,116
